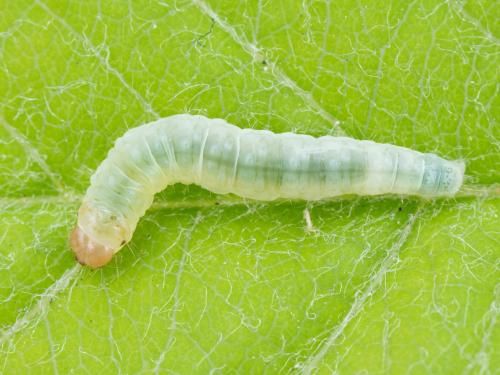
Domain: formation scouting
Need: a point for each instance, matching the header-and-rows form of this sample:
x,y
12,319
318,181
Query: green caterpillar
x,y
251,163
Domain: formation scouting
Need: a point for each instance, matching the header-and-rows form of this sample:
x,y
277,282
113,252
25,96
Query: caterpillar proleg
x,y
256,164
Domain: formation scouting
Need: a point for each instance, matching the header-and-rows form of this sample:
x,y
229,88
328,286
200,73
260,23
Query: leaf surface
x,y
217,283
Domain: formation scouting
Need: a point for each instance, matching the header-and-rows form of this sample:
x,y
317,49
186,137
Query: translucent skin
x,y
255,164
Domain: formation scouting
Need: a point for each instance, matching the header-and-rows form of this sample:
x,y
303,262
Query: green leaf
x,y
217,283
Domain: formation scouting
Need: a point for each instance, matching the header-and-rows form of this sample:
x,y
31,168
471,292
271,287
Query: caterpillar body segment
x,y
256,164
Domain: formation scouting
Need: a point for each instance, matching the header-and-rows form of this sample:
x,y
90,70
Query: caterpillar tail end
x,y
87,251
459,176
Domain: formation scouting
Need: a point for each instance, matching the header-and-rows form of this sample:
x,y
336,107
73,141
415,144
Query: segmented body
x,y
255,164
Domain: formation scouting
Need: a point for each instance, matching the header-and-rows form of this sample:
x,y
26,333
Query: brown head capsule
x,y
87,251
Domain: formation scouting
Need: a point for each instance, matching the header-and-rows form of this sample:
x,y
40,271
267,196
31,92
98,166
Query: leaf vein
x,y
103,60
40,309
359,302
256,52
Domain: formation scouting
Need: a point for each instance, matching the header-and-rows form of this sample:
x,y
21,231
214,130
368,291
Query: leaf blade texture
x,y
217,283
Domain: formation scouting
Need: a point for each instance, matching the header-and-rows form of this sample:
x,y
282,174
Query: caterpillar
x,y
257,164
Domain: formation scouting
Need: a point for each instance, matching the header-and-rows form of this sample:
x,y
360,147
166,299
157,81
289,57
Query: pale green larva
x,y
251,163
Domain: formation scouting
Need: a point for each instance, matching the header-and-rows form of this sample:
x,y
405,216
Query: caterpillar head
x,y
89,252
98,236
